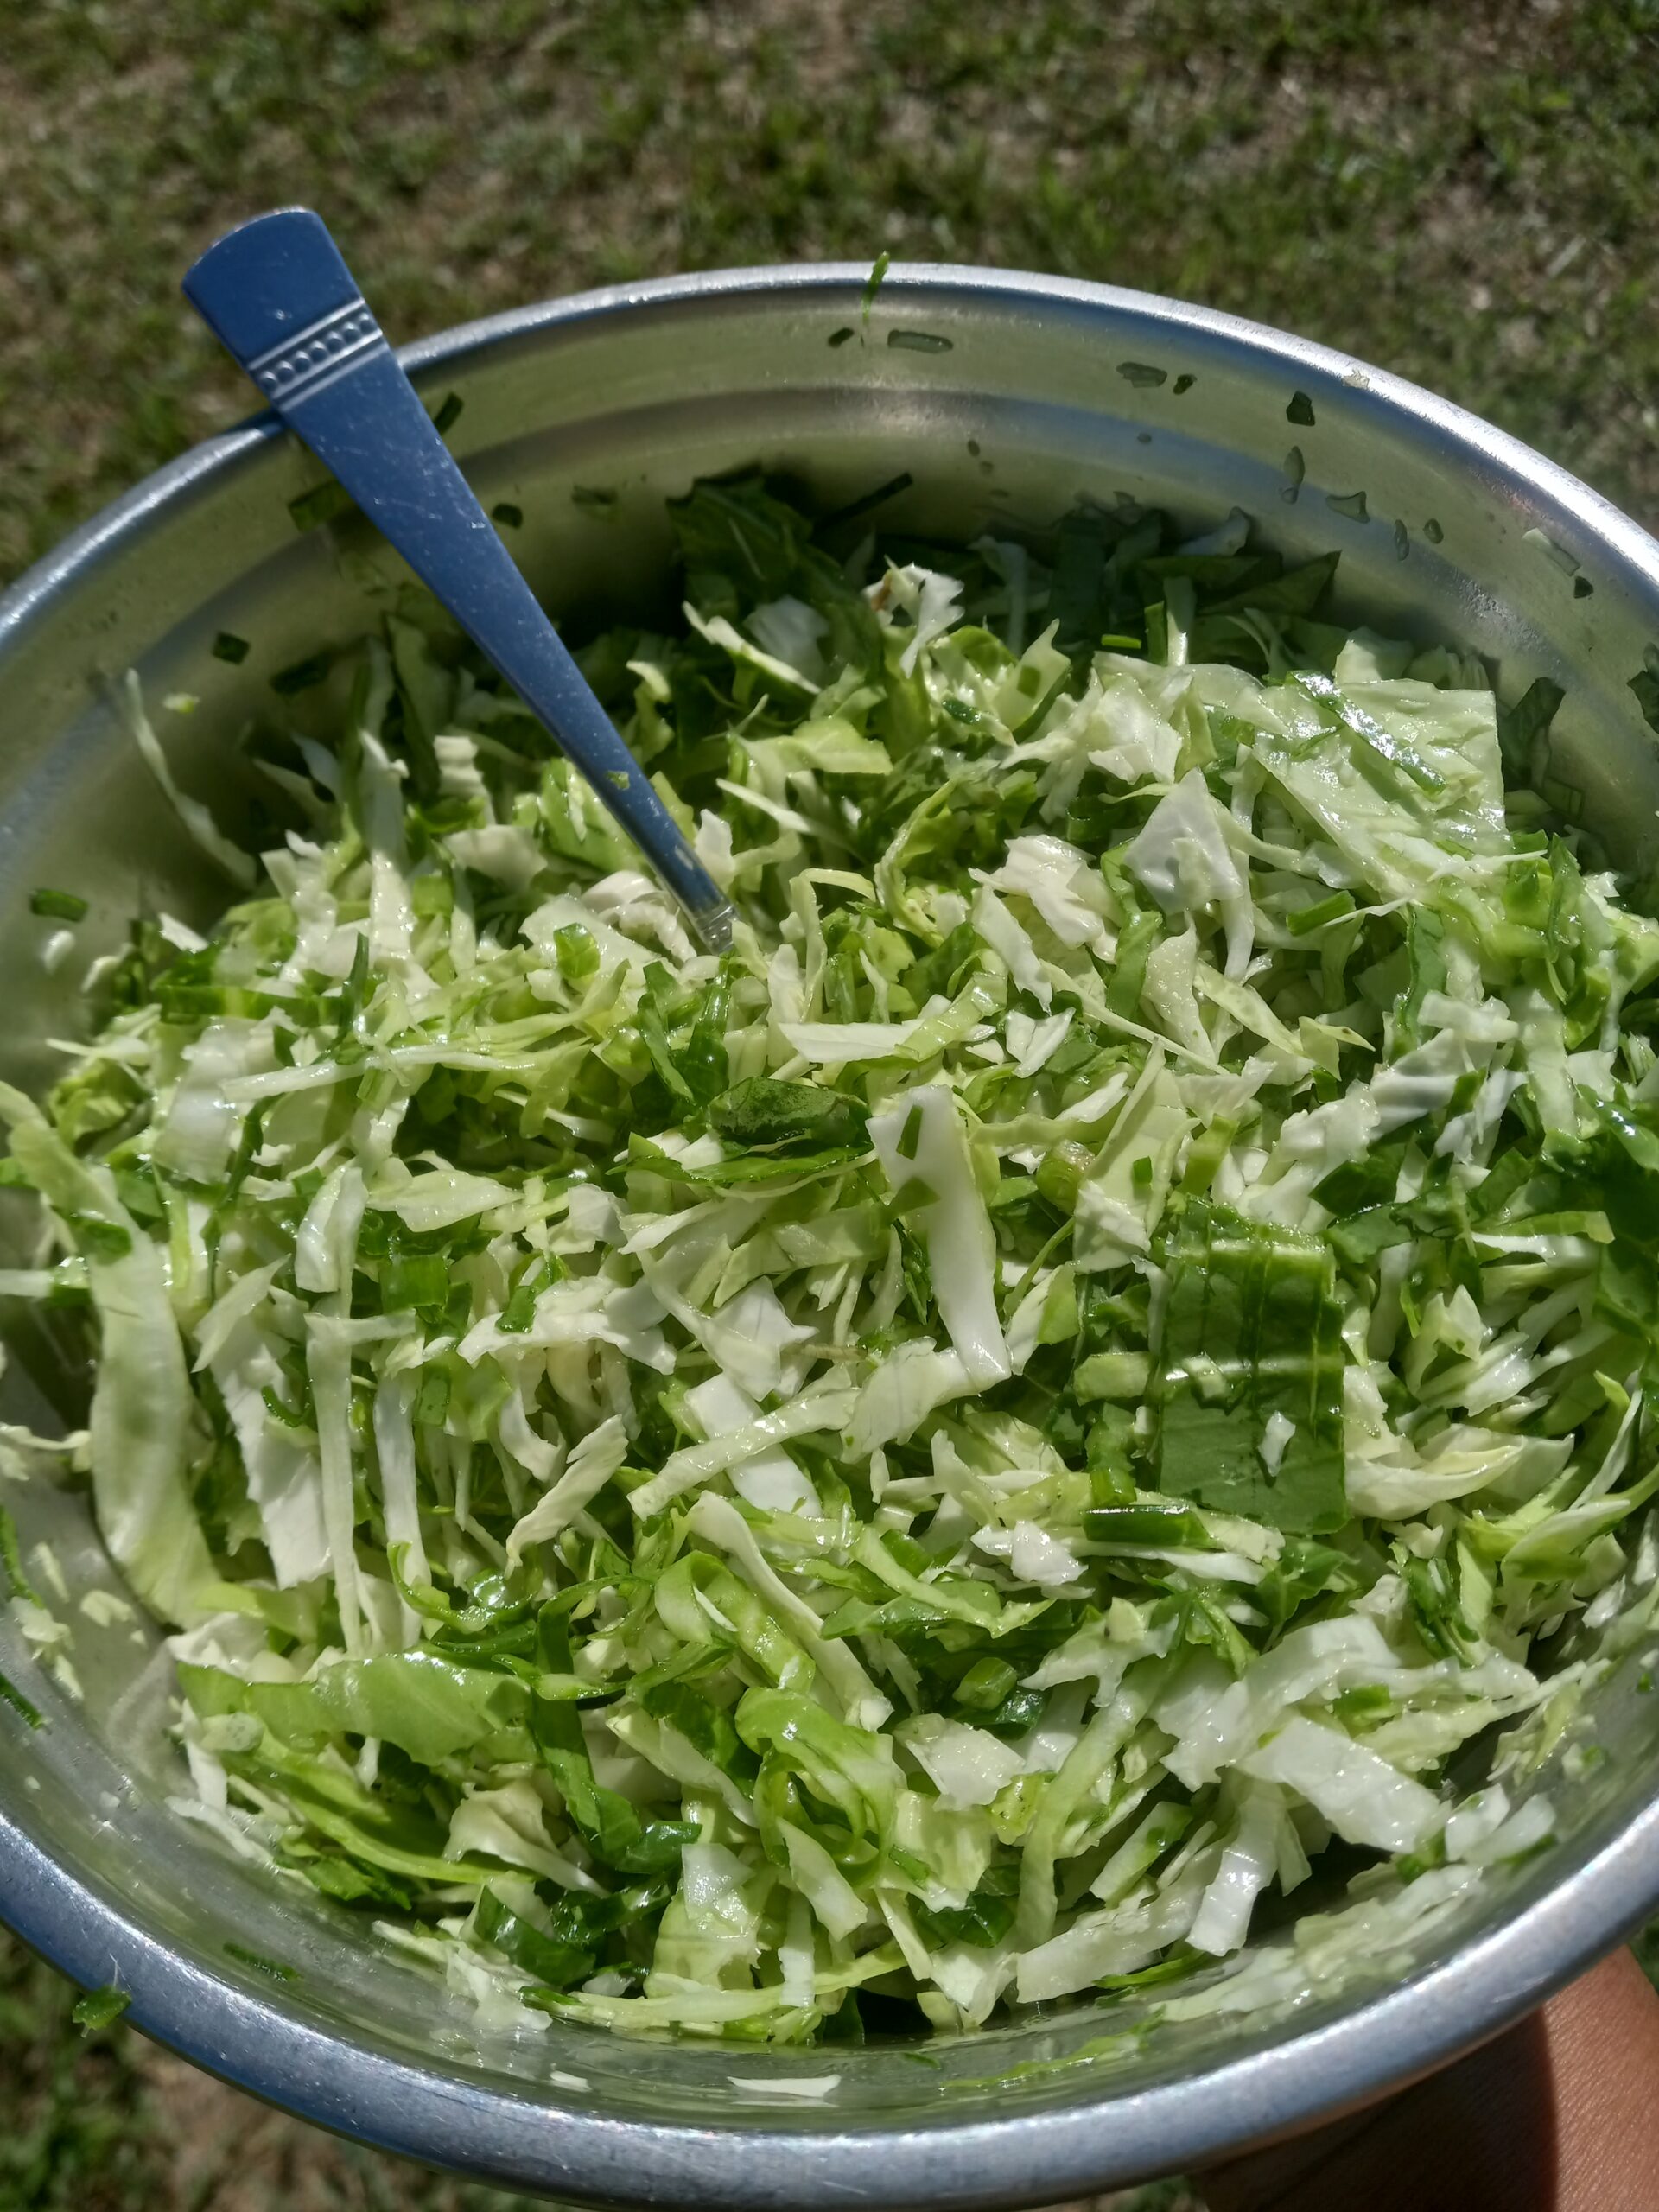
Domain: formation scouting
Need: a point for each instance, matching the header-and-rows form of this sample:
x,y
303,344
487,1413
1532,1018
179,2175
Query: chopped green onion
x,y
57,905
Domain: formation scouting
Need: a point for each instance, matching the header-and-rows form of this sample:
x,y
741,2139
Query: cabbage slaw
x,y
925,1464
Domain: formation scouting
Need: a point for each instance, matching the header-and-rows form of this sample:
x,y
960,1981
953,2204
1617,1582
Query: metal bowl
x,y
1004,397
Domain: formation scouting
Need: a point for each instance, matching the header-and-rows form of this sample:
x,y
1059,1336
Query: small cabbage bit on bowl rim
x,y
923,1464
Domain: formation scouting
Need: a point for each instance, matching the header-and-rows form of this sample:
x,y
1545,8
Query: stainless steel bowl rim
x,y
1028,2157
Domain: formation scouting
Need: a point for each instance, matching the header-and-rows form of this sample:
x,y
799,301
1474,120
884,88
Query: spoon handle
x,y
279,296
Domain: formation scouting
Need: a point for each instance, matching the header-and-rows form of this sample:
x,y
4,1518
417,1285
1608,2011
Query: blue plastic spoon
x,y
279,296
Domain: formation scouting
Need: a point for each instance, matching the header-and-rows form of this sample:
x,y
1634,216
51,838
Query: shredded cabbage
x,y
924,1464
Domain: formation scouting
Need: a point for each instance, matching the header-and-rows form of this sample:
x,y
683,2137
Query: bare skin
x,y
1560,2114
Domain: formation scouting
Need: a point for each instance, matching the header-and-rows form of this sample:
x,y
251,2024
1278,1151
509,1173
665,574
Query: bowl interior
x,y
1002,401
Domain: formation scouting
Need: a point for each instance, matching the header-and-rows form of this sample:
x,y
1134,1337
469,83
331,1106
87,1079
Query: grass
x,y
1466,196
